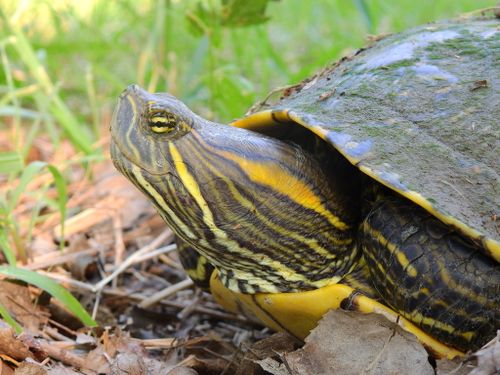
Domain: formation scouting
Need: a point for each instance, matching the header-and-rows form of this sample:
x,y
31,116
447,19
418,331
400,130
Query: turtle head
x,y
143,123
250,204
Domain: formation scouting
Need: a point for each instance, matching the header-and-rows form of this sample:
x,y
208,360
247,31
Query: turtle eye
x,y
163,122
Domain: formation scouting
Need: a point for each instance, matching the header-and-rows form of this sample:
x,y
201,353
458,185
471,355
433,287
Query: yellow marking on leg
x,y
393,249
200,268
425,320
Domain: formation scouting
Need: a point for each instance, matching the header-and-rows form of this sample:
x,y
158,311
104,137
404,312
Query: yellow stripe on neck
x,y
270,174
191,185
222,237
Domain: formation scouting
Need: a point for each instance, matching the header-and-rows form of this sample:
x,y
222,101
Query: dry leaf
x,y
59,369
488,358
205,366
131,364
274,367
27,368
265,349
17,300
181,370
336,346
5,369
453,367
11,346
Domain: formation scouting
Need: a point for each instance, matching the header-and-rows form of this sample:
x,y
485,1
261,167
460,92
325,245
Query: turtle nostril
x,y
129,89
132,87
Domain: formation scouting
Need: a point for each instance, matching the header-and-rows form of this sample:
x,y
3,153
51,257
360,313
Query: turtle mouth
x,y
119,157
130,144
123,159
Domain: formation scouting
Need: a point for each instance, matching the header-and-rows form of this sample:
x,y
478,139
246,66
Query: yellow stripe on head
x,y
191,185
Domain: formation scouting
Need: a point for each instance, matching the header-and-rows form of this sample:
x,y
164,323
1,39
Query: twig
x,y
61,354
186,311
165,343
69,282
81,286
119,244
96,304
57,258
170,262
165,293
55,334
136,257
160,251
63,327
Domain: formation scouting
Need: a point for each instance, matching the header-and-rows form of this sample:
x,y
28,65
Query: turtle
x,y
371,186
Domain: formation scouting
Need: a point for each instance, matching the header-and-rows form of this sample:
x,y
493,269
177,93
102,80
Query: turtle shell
x,y
418,112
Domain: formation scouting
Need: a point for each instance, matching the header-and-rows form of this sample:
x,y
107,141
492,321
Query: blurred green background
x,y
196,50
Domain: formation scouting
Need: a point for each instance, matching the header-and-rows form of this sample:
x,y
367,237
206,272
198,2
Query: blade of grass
x,y
51,287
62,193
10,84
10,320
6,249
28,173
11,162
364,11
92,96
29,138
56,105
16,112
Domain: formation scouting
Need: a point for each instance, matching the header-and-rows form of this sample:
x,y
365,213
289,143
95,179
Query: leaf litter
x,y
118,258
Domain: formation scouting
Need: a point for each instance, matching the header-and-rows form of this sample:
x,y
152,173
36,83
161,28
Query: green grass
x,y
93,51
63,63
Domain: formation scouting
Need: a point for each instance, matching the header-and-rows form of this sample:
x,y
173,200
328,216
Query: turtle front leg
x,y
431,275
196,265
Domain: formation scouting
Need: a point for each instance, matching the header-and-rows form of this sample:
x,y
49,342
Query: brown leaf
x,y
337,347
109,347
204,366
99,360
27,368
181,370
118,196
11,346
5,369
488,358
453,367
274,367
264,349
17,300
131,364
59,369
135,364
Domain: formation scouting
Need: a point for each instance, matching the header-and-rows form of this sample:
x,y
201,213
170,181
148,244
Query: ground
x,y
120,262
